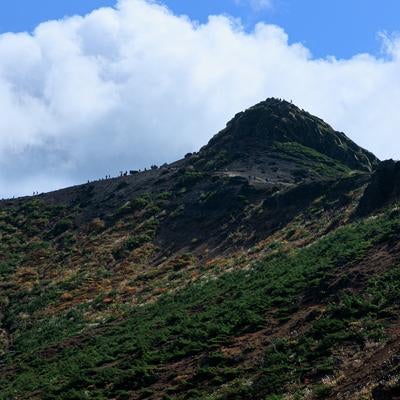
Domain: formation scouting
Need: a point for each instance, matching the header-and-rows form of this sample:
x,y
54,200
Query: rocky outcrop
x,y
386,393
383,188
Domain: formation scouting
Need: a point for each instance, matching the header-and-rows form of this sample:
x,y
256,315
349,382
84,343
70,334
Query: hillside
x,y
265,266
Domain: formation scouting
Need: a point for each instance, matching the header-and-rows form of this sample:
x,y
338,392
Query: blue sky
x,y
327,27
123,88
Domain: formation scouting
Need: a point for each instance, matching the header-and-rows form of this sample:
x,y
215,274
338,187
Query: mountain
x,y
264,266
277,133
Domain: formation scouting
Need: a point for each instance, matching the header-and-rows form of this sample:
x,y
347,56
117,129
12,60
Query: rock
x,y
386,393
383,188
67,297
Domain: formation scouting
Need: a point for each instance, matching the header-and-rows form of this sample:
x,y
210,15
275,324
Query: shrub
x,y
131,244
322,391
190,178
61,226
96,225
140,202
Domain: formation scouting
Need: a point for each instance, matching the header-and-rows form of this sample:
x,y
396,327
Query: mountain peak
x,y
273,104
277,132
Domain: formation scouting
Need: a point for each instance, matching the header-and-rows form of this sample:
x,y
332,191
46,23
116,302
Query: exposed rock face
x,y
383,187
386,393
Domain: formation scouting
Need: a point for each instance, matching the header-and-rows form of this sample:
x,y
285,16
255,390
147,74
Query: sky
x,y
89,88
340,28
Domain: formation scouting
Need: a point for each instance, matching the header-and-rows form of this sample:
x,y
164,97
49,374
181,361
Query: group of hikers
x,y
121,173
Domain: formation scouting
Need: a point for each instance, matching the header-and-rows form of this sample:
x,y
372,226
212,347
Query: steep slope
x,y
383,189
229,274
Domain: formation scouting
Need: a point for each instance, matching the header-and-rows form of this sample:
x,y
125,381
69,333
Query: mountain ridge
x,y
272,128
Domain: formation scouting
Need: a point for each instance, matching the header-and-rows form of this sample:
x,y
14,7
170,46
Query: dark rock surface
x,y
383,187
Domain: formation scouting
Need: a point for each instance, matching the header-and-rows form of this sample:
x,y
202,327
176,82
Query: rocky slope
x,y
265,266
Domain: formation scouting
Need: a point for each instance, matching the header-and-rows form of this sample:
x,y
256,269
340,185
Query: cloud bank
x,y
126,87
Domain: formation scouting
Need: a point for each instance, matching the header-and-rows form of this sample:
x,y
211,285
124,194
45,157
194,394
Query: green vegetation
x,y
62,358
132,243
189,178
215,278
61,226
146,204
309,161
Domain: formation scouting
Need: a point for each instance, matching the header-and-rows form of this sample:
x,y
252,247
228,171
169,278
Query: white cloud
x,y
126,87
257,5
261,4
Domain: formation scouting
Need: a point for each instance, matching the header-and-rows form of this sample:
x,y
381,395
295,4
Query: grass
x,y
310,160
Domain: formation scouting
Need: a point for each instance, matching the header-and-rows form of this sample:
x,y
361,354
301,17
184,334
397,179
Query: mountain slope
x,y
265,265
